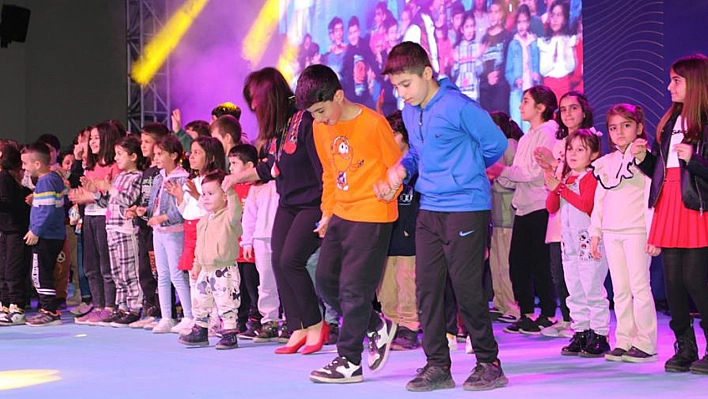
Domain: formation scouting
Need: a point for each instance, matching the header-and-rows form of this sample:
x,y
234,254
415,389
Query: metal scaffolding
x,y
145,18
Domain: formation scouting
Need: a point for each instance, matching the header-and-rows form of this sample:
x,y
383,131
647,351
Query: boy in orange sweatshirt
x,y
356,147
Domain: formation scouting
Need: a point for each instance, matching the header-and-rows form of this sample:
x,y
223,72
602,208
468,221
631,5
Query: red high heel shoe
x,y
309,349
289,350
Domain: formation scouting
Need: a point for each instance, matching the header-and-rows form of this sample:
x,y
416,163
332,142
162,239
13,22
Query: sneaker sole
x,y
498,383
699,372
650,359
611,358
530,332
325,380
119,325
551,334
194,344
591,355
506,330
675,369
224,348
568,353
441,385
51,323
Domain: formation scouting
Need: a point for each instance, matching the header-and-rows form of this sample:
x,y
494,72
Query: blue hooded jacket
x,y
452,141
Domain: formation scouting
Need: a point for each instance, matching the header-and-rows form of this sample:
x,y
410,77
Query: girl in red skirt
x,y
678,165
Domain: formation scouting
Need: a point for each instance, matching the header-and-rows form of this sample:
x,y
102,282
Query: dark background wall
x,y
70,73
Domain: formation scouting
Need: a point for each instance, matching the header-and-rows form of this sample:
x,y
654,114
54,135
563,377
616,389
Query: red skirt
x,y
674,225
186,261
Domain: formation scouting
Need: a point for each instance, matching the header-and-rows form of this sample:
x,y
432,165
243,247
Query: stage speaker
x,y
13,24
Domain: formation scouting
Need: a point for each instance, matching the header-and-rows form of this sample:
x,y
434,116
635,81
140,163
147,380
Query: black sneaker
x,y
533,327
636,355
577,343
686,352
44,318
339,371
484,377
430,378
380,343
253,329
114,316
507,318
406,339
229,340
268,333
597,346
515,327
283,333
199,336
615,355
700,366
152,311
126,319
333,335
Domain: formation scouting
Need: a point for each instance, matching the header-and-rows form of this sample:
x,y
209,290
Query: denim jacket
x,y
515,59
168,203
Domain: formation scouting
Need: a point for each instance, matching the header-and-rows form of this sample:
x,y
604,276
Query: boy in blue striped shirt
x,y
46,230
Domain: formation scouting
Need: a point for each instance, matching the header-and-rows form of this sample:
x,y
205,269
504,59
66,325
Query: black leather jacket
x,y
694,174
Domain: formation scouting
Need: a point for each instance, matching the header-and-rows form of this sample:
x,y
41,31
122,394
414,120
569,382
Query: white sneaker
x,y
184,326
468,345
164,326
451,342
559,329
142,322
14,317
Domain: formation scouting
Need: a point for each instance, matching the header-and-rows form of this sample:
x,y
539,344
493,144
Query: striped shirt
x,y
47,214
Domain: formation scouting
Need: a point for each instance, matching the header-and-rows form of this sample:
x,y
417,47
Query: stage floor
x,y
73,361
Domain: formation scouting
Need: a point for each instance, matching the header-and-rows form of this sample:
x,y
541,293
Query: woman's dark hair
x,y
109,132
588,116
273,98
199,126
544,95
507,125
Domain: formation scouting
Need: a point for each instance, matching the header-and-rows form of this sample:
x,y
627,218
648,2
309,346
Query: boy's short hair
x,y
407,57
334,22
353,21
457,8
155,130
245,152
172,145
39,151
317,83
226,108
396,121
214,176
228,124
199,126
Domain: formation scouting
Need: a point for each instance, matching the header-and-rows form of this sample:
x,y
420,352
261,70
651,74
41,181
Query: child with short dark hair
x,y
356,147
214,267
227,130
46,230
452,141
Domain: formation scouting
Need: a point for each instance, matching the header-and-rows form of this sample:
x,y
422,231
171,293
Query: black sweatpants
x,y
44,259
14,267
686,276
249,292
453,244
293,243
349,271
529,263
147,280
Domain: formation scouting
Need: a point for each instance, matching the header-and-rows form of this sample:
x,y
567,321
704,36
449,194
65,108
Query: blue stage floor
x,y
72,361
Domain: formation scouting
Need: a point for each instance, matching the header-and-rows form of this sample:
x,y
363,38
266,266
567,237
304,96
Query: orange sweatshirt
x,y
355,154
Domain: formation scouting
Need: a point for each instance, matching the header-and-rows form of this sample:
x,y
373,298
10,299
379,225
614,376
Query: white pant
x,y
585,279
268,300
634,305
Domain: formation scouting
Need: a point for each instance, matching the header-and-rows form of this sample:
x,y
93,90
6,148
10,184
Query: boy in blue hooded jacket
x,y
452,142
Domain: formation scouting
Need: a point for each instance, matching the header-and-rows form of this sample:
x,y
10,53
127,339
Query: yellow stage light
x,y
288,59
15,379
160,47
262,30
